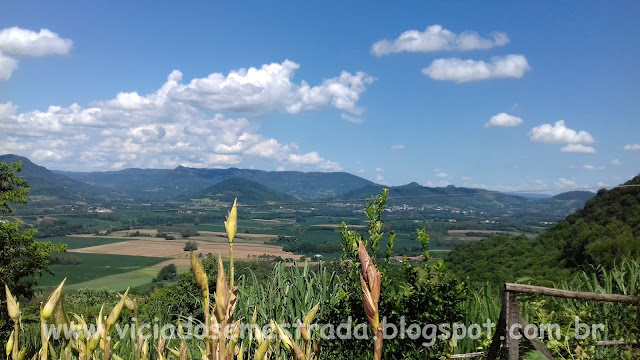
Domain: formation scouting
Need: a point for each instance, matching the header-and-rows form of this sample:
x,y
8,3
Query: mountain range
x,y
257,186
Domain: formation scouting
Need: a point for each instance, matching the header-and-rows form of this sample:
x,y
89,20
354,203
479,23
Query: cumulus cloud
x,y
437,38
616,162
455,69
578,148
269,88
152,130
593,167
313,158
559,133
352,119
563,182
380,176
442,183
441,174
16,43
632,147
397,147
503,120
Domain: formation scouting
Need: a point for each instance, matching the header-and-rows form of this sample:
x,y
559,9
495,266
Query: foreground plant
x,y
13,307
218,345
231,226
370,283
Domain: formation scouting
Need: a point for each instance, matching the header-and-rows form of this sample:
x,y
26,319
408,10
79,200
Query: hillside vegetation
x,y
251,192
604,232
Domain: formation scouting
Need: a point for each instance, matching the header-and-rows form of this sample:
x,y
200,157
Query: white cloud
x,y
397,147
593,167
360,171
270,88
563,182
18,43
437,38
152,130
352,119
7,109
44,155
616,162
578,148
441,174
632,147
503,120
223,159
380,176
467,178
13,144
7,66
313,158
442,183
559,133
455,69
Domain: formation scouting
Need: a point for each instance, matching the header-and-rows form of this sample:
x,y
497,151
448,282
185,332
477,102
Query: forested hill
x,y
166,184
606,229
603,232
45,184
249,192
477,200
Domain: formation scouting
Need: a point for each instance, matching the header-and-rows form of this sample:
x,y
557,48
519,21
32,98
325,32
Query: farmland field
x,y
75,242
95,266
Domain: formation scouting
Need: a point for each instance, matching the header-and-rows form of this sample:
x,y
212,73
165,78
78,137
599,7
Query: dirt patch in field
x,y
174,249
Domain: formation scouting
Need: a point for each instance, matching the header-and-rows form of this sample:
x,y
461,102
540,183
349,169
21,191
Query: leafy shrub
x,y
167,273
191,245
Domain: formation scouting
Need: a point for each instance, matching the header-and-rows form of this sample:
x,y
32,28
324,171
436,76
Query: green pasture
x,y
96,266
74,242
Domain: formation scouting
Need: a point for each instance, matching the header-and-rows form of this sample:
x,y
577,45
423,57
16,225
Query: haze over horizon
x,y
503,96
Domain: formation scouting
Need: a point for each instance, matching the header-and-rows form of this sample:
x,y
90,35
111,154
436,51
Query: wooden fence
x,y
510,315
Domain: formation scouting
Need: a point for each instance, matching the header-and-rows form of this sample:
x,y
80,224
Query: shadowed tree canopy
x,y
22,260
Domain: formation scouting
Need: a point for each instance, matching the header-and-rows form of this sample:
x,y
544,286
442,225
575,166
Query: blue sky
x,y
473,95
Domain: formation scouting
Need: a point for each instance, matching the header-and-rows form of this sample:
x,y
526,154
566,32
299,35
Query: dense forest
x,y
604,232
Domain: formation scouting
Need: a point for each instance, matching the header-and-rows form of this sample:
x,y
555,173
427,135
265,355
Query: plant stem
x,y
16,344
231,262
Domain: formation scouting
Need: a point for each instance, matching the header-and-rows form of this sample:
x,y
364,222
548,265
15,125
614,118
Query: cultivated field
x,y
245,245
118,260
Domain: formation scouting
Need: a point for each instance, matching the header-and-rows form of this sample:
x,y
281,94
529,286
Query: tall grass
x,y
293,293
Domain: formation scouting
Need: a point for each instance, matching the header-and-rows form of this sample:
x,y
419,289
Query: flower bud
x,y
175,352
9,345
115,312
286,340
232,222
129,303
261,353
52,301
12,305
200,275
308,319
